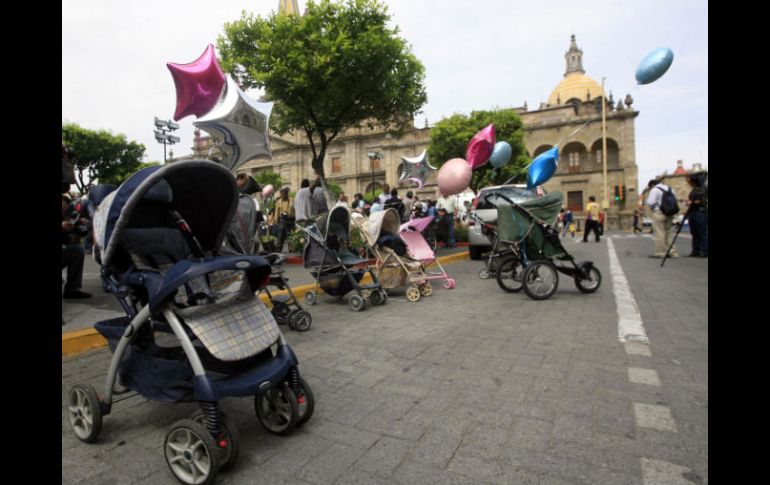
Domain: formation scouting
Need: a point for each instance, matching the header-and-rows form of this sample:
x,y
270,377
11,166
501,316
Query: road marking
x,y
637,375
630,325
656,472
654,417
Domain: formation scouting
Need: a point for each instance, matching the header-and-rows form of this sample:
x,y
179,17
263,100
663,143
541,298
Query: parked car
x,y
478,243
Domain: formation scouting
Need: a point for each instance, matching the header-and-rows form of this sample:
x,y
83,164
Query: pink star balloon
x,y
198,84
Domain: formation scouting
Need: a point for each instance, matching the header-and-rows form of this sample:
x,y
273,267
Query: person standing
x,y
408,204
303,202
358,203
385,195
319,198
592,219
72,253
698,216
395,202
568,223
450,206
636,222
661,223
283,218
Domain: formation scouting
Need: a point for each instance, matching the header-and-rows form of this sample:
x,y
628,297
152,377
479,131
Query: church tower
x,y
288,7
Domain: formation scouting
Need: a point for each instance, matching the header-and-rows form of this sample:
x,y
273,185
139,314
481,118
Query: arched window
x,y
573,157
613,154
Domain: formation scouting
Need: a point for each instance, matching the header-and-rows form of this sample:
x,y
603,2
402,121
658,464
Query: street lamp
x,y
605,197
162,134
374,155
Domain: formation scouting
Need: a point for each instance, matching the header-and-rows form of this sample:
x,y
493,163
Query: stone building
x,y
571,118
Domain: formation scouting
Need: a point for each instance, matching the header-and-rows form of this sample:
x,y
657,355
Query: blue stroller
x,y
158,241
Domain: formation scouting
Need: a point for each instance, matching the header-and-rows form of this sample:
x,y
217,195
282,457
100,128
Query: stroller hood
x,y
383,221
203,192
337,221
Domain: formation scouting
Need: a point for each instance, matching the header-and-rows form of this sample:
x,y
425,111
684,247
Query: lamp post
x,y
605,197
162,134
373,155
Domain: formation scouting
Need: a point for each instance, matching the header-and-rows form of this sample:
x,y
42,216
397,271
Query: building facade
x,y
571,119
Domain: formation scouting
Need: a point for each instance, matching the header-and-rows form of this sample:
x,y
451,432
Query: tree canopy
x,y
335,67
449,139
98,154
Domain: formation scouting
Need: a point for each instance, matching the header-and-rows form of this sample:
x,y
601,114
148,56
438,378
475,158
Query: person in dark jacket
x,y
698,216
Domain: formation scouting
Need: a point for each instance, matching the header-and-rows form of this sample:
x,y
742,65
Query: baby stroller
x,y
333,265
537,246
241,238
545,208
158,239
395,268
418,249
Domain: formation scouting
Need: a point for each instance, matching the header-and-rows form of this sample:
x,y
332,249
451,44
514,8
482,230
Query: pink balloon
x,y
198,84
454,176
480,147
267,190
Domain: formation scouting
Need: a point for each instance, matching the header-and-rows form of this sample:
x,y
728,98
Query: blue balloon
x,y
501,154
542,168
654,65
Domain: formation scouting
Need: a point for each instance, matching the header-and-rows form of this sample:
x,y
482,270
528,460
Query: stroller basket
x,y
338,283
158,373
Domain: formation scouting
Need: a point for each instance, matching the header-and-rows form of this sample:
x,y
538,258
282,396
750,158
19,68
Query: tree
x,y
98,154
268,177
449,139
336,67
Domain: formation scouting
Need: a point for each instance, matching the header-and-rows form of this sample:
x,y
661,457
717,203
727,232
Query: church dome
x,y
575,85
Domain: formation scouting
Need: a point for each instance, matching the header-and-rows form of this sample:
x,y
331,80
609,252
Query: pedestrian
x,y
561,227
303,203
358,203
395,202
572,229
450,206
661,223
283,218
698,216
636,222
408,204
319,199
601,222
342,199
592,219
568,224
73,226
385,194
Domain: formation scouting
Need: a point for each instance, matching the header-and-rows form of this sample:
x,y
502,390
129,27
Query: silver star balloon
x,y
416,169
239,126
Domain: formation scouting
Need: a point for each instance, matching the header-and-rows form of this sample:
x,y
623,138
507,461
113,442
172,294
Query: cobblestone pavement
x,y
467,386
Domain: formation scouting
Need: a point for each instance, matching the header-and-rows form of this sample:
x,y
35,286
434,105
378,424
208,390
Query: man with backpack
x,y
663,203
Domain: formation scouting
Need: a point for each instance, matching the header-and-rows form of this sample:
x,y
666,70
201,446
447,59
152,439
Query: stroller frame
x,y
535,264
297,318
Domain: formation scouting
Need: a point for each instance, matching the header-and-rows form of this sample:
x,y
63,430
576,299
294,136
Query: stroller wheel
x,y
277,409
450,283
540,280
191,453
228,443
590,284
85,415
305,402
426,289
290,318
357,303
379,297
310,297
413,293
300,320
484,274
509,275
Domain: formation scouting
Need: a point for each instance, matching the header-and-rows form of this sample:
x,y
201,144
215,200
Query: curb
x,y
73,343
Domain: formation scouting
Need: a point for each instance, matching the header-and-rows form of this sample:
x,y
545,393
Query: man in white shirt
x,y
303,202
661,223
385,195
449,204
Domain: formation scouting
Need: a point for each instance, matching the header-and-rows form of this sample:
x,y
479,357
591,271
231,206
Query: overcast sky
x,y
477,55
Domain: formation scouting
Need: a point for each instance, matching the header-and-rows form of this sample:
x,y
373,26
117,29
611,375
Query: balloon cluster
x,y
237,124
416,169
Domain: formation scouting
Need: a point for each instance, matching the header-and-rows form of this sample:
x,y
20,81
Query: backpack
x,y
668,203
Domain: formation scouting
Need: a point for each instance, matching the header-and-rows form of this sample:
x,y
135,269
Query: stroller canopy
x,y
545,208
387,221
336,222
204,193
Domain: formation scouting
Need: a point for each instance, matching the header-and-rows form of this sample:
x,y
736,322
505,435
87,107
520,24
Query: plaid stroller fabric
x,y
233,329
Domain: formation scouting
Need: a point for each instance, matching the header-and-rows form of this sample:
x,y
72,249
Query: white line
x,y
630,326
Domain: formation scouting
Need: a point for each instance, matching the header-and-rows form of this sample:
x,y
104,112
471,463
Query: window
x,y
575,201
336,165
574,162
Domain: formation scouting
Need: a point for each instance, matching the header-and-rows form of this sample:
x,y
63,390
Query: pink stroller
x,y
418,249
